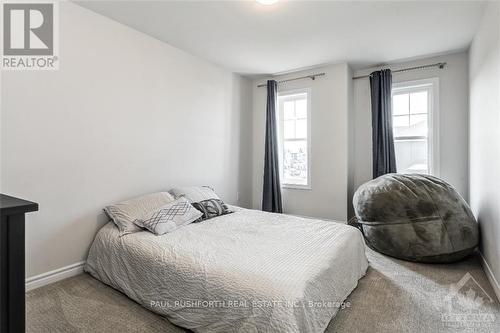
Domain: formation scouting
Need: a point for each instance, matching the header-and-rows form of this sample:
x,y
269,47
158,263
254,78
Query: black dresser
x,y
12,272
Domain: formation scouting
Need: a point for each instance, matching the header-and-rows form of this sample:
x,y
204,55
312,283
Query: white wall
x,y
453,118
125,115
484,148
329,144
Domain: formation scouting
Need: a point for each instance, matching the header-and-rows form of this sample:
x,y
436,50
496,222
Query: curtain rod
x,y
438,64
312,77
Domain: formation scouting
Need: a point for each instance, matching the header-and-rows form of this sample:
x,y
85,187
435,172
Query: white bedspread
x,y
249,271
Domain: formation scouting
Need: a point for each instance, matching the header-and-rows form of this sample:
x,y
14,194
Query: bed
x,y
249,271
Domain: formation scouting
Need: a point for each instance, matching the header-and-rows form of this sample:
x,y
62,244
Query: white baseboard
x,y
59,274
491,276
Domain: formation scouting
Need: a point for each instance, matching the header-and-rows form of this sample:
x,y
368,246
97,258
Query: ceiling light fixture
x,y
267,2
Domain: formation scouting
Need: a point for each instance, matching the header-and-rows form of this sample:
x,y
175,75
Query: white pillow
x,y
125,213
171,216
194,193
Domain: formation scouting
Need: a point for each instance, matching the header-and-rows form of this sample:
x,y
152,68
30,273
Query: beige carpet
x,y
394,296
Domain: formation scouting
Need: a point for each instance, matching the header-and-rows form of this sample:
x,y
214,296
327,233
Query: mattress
x,y
249,271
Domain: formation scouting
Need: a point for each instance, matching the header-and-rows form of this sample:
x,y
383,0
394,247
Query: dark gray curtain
x,y
271,192
384,158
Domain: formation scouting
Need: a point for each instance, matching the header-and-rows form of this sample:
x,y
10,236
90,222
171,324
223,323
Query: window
x,y
294,133
414,121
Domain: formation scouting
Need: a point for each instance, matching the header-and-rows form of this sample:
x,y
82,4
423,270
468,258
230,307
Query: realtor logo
x,y
28,29
29,36
468,305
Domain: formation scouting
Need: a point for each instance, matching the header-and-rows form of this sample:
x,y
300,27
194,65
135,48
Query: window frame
x,y
281,139
430,85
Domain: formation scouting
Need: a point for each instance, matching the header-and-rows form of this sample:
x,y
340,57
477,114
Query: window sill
x,y
296,187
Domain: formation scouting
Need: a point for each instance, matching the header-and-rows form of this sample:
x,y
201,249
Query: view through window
x,y
412,107
294,138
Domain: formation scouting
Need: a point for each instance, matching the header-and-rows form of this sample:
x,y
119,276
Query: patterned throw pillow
x,y
204,199
211,208
170,217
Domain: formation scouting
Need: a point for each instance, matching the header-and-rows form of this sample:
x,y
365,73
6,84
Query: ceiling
x,y
249,38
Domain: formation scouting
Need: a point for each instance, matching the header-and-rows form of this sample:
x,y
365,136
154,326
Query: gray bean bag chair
x,y
415,217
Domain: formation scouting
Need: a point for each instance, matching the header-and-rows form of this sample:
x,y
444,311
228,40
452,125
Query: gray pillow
x,y
172,216
204,199
125,213
211,208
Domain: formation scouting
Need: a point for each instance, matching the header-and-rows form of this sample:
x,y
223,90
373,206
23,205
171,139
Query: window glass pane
x,y
400,121
418,125
418,102
301,129
411,156
400,104
295,162
289,129
411,129
301,108
294,139
288,110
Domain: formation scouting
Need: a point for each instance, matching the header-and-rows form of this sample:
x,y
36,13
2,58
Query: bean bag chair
x,y
415,217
